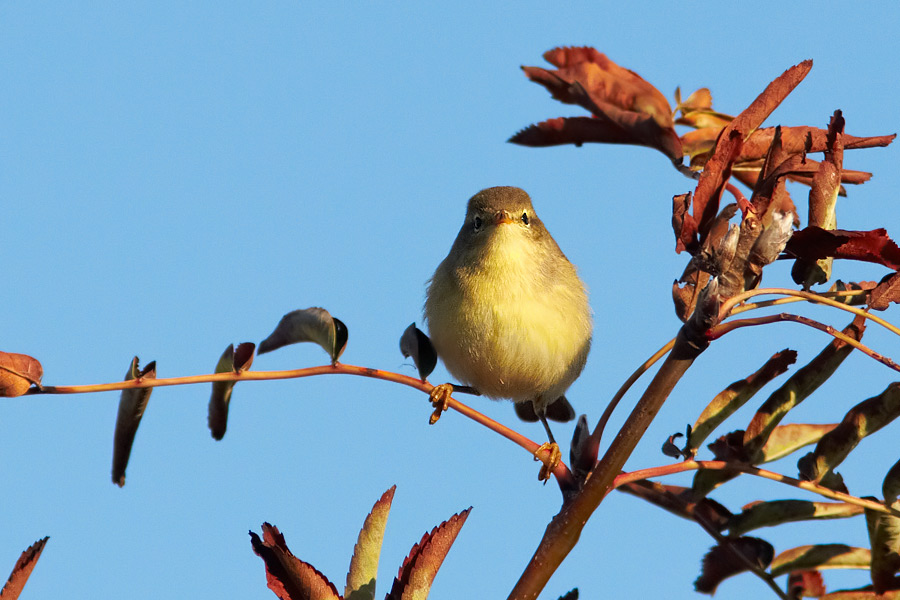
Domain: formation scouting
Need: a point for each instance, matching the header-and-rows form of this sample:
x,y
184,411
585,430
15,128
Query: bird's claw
x,y
549,454
440,399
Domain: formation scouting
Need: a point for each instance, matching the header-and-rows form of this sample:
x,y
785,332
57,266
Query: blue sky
x,y
177,176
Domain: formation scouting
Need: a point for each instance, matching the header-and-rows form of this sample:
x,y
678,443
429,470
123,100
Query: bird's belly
x,y
515,341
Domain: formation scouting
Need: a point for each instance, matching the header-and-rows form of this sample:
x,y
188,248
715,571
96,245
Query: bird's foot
x,y
440,399
549,454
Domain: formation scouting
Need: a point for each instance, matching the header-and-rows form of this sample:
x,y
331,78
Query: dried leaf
x,y
721,563
364,564
414,343
753,116
813,243
570,595
805,584
864,419
680,501
820,556
709,190
777,512
798,140
626,109
583,450
669,448
417,572
288,576
884,539
232,361
886,292
132,404
735,395
18,372
308,325
22,570
797,388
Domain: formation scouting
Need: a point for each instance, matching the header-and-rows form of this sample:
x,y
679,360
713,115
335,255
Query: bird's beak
x,y
501,217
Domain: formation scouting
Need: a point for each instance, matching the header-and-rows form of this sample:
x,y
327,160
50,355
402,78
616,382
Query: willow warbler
x,y
506,310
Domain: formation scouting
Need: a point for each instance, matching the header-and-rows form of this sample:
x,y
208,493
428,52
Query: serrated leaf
x,y
884,539
413,581
796,389
721,563
308,325
737,394
233,360
288,576
364,564
570,595
775,512
820,556
416,345
864,419
132,404
18,372
22,570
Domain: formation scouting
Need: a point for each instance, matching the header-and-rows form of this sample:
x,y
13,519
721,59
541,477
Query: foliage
x,y
721,280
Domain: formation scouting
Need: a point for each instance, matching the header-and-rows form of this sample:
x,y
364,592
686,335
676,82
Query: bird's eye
x,y
525,218
476,222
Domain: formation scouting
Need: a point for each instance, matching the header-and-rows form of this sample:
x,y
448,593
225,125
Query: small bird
x,y
506,310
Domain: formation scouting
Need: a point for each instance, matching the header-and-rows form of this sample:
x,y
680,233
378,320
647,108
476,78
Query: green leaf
x,y
364,564
308,325
288,576
864,419
884,538
820,556
232,361
776,512
796,389
132,404
413,581
786,439
416,345
735,395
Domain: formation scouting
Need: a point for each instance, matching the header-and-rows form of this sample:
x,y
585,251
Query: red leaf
x,y
22,570
874,246
421,565
288,576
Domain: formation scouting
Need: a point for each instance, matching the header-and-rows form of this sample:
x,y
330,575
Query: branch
x,y
564,530
723,328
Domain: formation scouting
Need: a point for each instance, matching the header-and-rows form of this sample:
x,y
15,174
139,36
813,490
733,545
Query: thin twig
x,y
561,472
731,303
723,328
601,424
